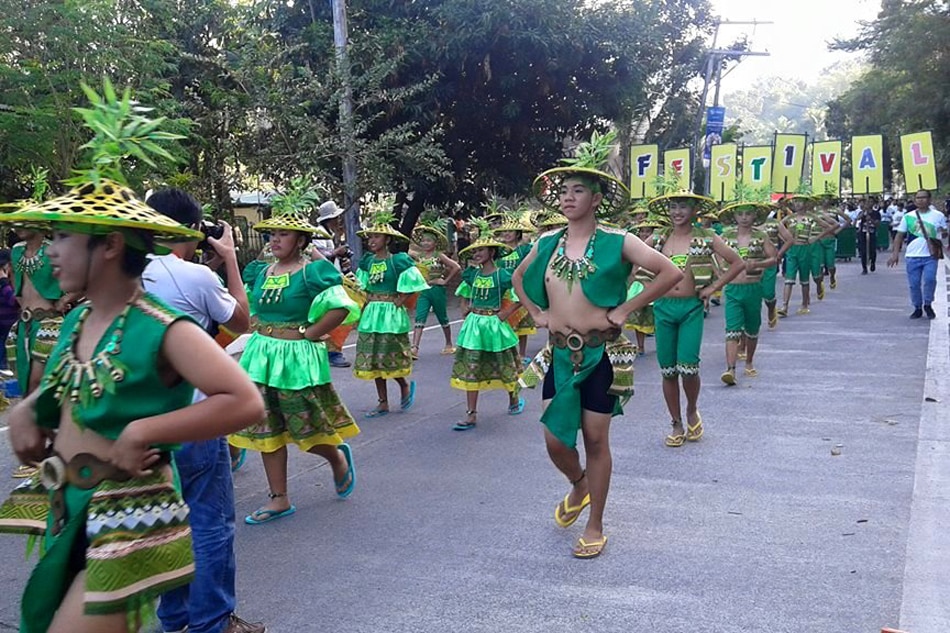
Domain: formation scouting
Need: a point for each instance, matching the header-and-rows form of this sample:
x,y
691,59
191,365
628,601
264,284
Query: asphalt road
x,y
758,527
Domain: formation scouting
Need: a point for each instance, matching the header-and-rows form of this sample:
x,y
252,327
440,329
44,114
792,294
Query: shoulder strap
x,y
920,220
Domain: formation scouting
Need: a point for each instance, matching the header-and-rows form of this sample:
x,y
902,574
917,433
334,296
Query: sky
x,y
798,39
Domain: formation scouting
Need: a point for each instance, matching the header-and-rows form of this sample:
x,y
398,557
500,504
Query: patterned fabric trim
x,y
158,311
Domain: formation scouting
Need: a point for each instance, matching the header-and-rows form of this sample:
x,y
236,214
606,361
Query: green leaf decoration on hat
x,y
380,210
121,131
39,179
593,154
433,220
482,228
494,204
668,183
301,197
753,195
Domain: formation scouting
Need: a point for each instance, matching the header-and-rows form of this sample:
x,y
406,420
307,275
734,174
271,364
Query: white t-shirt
x,y
935,224
189,288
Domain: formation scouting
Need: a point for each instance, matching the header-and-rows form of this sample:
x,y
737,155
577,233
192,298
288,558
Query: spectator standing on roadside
x,y
918,225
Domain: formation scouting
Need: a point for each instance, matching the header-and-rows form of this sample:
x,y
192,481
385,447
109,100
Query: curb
x,y
924,604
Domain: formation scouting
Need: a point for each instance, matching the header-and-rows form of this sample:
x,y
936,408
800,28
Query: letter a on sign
x,y
866,164
920,168
644,167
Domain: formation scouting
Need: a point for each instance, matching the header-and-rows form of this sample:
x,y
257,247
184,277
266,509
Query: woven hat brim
x,y
547,188
108,205
706,206
441,241
382,230
480,243
554,222
291,222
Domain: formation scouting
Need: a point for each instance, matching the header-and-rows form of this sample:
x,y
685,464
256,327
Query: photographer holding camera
x,y
207,604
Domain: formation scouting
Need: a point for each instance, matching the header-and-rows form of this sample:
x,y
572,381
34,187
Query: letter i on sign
x,y
789,155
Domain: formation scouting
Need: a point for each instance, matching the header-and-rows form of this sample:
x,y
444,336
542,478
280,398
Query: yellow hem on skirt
x,y
645,329
272,444
373,374
528,331
485,385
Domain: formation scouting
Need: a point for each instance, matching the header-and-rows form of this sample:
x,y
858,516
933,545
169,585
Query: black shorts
x,y
594,396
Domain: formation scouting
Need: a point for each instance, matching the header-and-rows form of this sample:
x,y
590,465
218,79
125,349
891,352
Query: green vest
x,y
605,288
699,259
754,252
126,373
40,273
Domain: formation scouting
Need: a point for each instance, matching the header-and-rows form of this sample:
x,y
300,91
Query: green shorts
x,y
679,335
769,275
432,298
799,263
828,247
743,310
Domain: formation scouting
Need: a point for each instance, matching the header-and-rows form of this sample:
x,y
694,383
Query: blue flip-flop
x,y
377,413
269,515
518,408
350,470
242,457
406,403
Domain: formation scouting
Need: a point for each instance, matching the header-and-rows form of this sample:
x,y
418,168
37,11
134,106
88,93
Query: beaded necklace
x,y
273,287
571,270
29,264
82,382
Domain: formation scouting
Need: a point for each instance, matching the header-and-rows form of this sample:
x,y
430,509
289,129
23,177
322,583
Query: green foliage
x,y
904,90
299,197
121,131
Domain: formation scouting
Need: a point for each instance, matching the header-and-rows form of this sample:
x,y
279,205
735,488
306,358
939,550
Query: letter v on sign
x,y
827,161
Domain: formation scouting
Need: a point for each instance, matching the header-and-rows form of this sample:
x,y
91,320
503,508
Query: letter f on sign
x,y
643,164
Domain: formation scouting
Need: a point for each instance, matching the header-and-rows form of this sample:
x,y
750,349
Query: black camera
x,y
211,229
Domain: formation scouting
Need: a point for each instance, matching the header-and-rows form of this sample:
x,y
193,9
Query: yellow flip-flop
x,y
589,549
565,515
695,431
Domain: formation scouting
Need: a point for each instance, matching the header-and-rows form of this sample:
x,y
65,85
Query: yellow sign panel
x,y
867,164
677,161
722,171
756,166
788,162
644,168
826,167
920,164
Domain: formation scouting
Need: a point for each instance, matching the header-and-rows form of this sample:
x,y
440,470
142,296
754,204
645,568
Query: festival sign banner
x,y
867,164
676,161
788,162
756,166
644,169
826,167
722,171
920,165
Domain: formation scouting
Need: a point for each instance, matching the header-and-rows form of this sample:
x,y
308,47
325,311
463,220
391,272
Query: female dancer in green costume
x,y
487,356
382,346
296,304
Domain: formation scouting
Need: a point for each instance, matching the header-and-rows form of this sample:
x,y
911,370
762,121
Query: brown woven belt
x,y
381,296
85,471
485,311
575,341
38,314
291,333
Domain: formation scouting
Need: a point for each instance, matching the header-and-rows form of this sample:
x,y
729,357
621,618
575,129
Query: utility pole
x,y
714,57
351,217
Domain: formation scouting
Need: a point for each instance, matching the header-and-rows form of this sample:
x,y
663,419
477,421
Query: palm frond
x,y
593,154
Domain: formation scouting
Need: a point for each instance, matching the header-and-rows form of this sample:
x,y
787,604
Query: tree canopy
x,y
450,97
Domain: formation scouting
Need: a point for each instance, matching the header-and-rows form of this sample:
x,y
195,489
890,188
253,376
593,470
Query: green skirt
x,y
478,370
306,417
381,355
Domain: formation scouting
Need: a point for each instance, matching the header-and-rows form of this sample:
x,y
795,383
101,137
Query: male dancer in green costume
x,y
678,315
573,283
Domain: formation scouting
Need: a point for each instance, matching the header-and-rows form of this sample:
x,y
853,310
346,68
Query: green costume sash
x,y
40,276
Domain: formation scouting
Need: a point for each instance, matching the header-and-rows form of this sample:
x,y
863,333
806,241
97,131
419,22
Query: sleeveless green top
x,y
698,260
484,291
754,252
512,259
125,385
37,268
606,288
